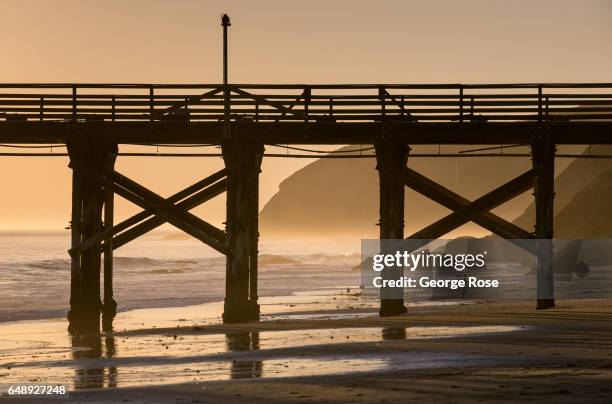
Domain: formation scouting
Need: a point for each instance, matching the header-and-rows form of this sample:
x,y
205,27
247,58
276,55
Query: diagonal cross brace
x,y
477,211
173,214
489,201
189,101
126,224
155,221
399,104
149,200
285,110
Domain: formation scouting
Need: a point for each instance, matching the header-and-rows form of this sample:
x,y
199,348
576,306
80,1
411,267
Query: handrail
x,y
306,103
312,86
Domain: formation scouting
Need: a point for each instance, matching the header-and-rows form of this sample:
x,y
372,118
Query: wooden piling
x,y
243,162
391,159
75,260
109,309
88,201
543,157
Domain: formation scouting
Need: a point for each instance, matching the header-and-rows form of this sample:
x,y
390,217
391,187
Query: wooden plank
x,y
339,96
599,112
352,101
453,86
123,86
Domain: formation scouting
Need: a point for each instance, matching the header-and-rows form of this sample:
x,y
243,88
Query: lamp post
x,y
225,22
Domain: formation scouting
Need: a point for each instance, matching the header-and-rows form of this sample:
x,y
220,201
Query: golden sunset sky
x,y
148,41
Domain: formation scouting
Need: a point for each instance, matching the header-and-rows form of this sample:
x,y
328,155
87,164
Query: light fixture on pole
x,y
225,22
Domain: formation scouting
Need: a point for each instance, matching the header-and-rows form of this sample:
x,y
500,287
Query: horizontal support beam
x,y
468,133
328,156
337,97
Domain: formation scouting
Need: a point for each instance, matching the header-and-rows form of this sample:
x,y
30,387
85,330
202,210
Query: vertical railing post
x,y
331,106
42,103
461,103
307,95
472,108
113,108
539,103
383,98
74,103
151,105
226,112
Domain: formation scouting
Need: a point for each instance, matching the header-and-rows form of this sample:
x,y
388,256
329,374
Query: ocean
x,y
161,271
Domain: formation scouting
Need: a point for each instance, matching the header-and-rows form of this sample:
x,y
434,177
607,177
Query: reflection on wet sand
x,y
244,341
140,352
394,333
92,347
161,357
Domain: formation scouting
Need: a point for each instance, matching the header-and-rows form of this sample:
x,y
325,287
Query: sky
x,y
140,41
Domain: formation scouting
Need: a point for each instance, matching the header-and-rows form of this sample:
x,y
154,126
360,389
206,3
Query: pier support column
x,y
543,156
88,197
391,159
243,162
109,308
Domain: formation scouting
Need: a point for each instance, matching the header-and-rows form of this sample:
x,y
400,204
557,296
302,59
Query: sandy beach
x,y
481,351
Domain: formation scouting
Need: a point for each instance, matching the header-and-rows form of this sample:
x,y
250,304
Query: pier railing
x,y
306,103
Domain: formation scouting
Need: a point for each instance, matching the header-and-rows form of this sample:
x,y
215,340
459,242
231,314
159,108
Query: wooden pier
x,y
93,120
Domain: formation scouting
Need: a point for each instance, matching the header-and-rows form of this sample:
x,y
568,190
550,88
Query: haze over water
x,y
157,271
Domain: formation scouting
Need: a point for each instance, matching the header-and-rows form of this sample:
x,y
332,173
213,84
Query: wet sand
x,y
480,351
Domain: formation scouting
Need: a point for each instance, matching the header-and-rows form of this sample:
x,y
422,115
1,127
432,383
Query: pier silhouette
x,y
92,120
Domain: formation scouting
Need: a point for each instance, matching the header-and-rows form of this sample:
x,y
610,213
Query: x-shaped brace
x,y
163,210
477,211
